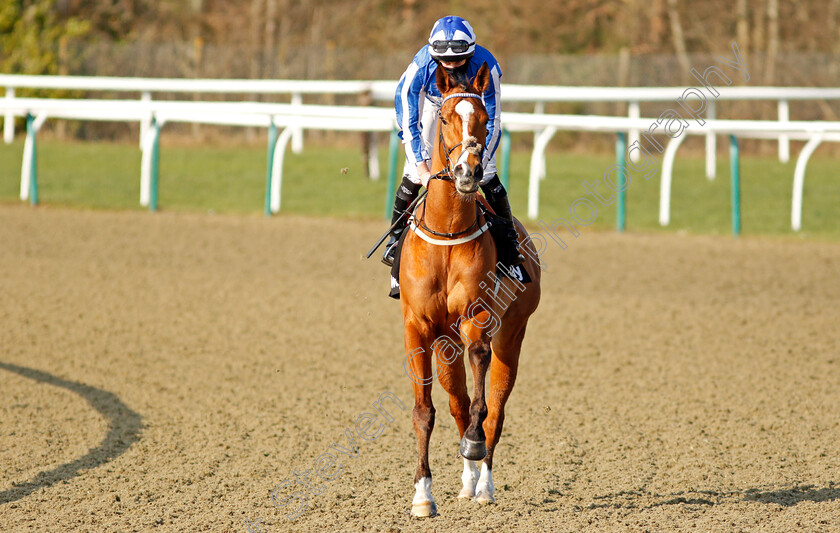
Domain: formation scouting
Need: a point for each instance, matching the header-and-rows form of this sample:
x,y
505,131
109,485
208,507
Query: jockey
x,y
418,100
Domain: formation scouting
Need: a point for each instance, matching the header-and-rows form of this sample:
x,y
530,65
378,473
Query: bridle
x,y
445,174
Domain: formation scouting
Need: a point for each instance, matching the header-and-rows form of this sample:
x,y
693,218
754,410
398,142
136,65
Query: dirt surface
x,y
169,371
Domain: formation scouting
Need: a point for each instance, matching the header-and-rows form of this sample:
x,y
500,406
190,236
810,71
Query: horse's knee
x,y
480,353
424,417
478,414
478,410
493,428
494,421
480,359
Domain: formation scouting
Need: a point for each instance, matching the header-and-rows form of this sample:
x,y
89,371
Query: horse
x,y
449,289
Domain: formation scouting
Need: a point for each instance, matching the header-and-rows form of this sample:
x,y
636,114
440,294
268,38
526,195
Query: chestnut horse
x,y
451,298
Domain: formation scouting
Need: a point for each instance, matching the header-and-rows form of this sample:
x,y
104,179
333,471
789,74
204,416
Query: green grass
x,y
697,204
232,180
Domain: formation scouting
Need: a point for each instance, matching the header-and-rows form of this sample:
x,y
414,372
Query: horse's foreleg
x,y
473,442
419,366
453,379
503,368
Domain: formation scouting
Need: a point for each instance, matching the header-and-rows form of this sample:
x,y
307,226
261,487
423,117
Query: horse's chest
x,y
444,295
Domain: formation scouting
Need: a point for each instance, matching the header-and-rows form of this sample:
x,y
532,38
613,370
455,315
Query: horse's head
x,y
463,128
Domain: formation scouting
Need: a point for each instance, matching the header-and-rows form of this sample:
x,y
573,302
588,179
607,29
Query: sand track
x,y
168,371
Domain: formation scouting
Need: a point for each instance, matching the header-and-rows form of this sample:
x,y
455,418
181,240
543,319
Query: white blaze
x,y
465,109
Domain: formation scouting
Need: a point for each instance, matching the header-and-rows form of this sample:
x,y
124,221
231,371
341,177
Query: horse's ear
x,y
442,80
482,79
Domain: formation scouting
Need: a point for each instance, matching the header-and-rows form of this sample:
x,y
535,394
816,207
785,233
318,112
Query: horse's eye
x,y
443,120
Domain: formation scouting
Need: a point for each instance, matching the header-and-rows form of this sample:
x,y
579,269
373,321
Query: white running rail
x,y
297,116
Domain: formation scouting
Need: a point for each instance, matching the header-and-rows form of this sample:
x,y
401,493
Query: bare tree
x,y
657,25
772,41
197,7
679,40
269,56
256,64
758,28
256,18
742,25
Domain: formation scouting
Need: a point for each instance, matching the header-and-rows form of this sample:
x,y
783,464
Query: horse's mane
x,y
458,76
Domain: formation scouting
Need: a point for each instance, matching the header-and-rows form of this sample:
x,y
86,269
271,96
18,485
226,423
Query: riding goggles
x,y
458,47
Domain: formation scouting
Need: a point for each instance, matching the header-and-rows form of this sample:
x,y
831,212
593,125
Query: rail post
x,y
711,143
29,166
31,133
633,111
146,123
621,208
277,167
154,166
736,185
505,167
799,181
784,140
9,120
297,138
272,142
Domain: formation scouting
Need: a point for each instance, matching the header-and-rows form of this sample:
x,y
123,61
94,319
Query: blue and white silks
x,y
417,101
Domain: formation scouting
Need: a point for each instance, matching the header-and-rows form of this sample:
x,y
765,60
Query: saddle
x,y
505,251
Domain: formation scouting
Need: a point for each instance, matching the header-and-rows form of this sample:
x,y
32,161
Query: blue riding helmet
x,y
452,39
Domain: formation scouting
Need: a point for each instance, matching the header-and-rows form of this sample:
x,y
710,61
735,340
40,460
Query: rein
x,y
423,225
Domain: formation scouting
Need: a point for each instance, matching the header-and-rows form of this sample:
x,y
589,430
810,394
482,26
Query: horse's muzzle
x,y
466,178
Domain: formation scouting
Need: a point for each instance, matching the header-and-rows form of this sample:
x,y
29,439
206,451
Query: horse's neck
x,y
445,210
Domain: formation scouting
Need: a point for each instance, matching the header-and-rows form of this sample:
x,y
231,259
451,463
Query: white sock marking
x,y
469,478
485,489
423,491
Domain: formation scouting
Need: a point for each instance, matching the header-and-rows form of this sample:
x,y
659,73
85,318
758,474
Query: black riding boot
x,y
406,194
497,197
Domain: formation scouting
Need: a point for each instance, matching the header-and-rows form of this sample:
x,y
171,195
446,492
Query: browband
x,y
460,95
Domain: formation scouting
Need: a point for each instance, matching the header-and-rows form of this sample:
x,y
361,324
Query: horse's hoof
x,y
484,498
466,493
424,509
473,450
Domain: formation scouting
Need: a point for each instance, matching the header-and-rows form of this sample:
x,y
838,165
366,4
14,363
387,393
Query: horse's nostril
x,y
462,171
